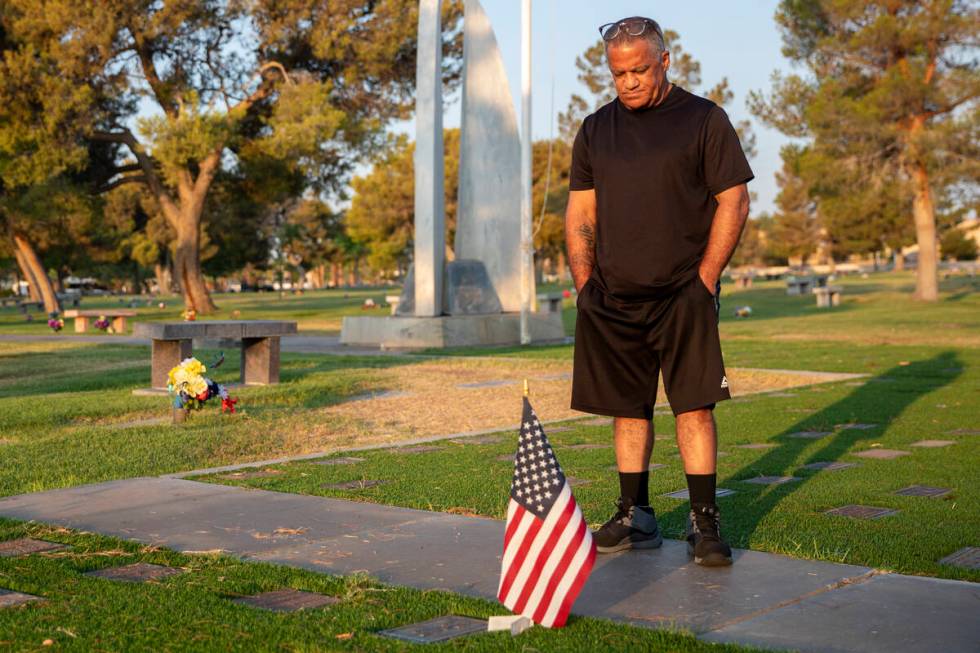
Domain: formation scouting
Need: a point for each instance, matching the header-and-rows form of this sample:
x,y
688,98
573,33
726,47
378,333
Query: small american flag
x,y
548,550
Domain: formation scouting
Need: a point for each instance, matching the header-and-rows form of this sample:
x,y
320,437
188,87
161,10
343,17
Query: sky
x,y
737,40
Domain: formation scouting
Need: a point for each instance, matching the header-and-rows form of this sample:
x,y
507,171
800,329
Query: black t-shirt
x,y
655,172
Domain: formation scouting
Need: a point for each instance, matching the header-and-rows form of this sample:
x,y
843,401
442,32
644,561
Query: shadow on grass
x,y
879,401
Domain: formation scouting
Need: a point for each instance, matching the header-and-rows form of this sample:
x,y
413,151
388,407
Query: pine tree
x,y
890,100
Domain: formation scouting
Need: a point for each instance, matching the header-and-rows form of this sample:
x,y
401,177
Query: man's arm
x,y
726,228
580,216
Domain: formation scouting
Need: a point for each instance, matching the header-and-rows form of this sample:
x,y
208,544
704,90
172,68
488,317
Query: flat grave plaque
x,y
862,512
771,480
810,435
599,421
287,600
487,384
653,466
756,445
139,572
10,599
781,394
26,546
353,485
682,494
344,460
237,476
439,629
967,557
857,427
479,439
506,458
416,449
587,446
557,429
829,466
923,491
933,443
881,454
576,482
564,376
963,432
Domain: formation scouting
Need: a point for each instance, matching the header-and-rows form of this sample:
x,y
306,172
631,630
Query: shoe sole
x,y
654,543
712,560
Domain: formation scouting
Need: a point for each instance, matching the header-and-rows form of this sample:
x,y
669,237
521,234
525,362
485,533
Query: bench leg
x,y
260,360
81,324
166,355
119,324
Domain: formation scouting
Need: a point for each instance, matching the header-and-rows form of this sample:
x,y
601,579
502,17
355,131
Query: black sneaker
x,y
704,537
632,527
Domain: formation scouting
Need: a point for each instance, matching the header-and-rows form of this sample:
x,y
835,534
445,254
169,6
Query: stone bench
x,y
828,296
84,317
743,281
550,302
172,343
799,285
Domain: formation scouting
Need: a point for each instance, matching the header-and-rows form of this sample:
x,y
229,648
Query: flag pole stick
x,y
526,391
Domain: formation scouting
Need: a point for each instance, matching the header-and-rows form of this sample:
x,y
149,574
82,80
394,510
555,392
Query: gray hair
x,y
653,34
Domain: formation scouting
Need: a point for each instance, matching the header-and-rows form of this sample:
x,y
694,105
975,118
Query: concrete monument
x,y
488,226
475,299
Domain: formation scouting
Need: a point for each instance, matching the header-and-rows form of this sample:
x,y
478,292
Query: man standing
x,y
657,203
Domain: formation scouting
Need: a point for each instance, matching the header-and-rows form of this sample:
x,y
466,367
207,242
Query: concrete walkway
x,y
764,599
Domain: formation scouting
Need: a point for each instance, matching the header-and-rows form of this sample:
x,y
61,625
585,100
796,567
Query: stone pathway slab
x,y
422,550
883,614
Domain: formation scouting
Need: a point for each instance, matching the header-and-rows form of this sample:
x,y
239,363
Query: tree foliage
x,y
889,106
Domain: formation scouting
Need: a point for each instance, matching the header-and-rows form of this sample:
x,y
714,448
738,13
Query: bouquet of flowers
x,y
56,323
103,324
189,315
191,389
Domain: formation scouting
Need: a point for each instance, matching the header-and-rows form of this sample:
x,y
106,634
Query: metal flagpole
x,y
527,246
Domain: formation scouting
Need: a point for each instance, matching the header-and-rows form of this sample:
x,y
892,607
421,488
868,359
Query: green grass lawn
x,y
194,610
67,417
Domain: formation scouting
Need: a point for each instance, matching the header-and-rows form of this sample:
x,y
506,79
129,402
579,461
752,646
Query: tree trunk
x,y
162,274
187,263
899,260
336,270
38,273
25,271
923,212
564,274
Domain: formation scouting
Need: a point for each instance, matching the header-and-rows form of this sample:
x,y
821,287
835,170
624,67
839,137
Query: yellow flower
x,y
196,385
188,370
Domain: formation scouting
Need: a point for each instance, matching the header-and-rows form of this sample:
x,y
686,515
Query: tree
x,y
797,227
685,71
312,84
956,245
549,195
891,93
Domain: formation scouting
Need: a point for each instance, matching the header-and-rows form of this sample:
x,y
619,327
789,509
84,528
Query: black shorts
x,y
621,346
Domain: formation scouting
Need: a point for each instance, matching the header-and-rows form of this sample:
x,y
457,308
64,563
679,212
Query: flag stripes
x,y
548,549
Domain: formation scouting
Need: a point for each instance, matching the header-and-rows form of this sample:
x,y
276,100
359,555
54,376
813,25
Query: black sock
x,y
633,487
701,488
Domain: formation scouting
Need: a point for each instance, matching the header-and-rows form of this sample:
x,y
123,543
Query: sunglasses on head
x,y
631,26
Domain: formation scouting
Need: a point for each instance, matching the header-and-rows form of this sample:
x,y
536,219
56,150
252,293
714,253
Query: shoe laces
x,y
705,522
622,512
